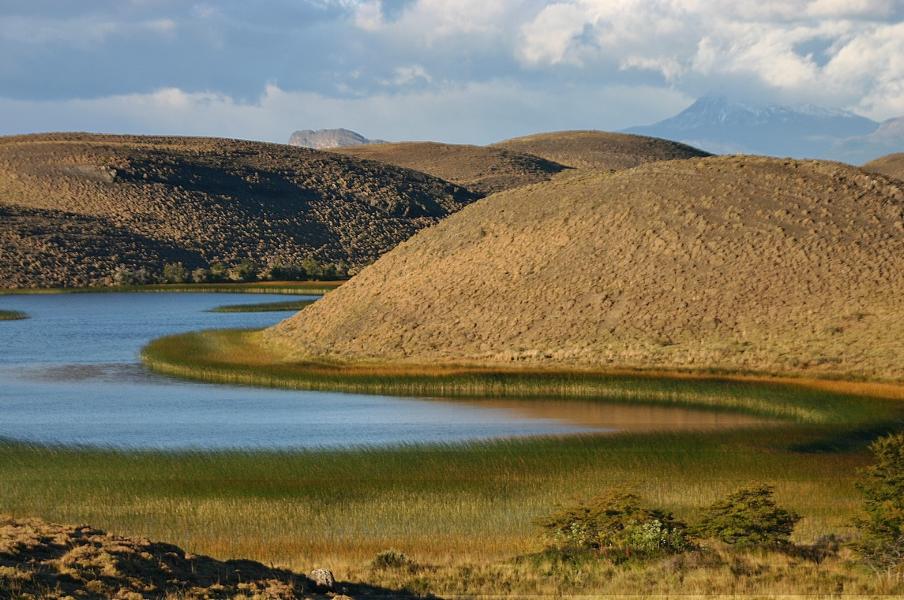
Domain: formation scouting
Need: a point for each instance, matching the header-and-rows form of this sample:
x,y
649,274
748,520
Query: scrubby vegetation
x,y
882,527
749,517
77,207
12,315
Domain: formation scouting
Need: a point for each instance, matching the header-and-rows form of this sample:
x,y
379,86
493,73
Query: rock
x,y
323,578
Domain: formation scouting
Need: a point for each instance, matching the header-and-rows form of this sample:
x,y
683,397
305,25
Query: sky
x,y
466,71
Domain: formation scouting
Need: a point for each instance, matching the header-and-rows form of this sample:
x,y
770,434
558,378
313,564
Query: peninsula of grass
x,y
288,306
12,315
317,288
238,357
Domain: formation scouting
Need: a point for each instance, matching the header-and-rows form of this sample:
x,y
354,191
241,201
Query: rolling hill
x,y
480,169
322,139
599,149
891,165
727,263
76,207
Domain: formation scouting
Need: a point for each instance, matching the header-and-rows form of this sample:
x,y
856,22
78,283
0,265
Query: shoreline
x,y
235,357
256,287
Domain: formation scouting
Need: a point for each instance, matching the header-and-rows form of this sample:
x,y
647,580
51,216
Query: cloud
x,y
471,113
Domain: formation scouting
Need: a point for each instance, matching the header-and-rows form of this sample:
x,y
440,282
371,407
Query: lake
x,y
71,375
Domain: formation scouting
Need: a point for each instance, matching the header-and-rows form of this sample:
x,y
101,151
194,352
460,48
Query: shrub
x,y
749,517
123,275
244,271
882,486
200,275
217,271
617,527
391,559
175,273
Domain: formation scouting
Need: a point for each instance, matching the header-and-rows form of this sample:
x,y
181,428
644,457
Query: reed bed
x,y
288,306
12,315
317,288
236,357
446,506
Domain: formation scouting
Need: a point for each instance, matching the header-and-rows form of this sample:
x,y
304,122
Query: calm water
x,y
70,374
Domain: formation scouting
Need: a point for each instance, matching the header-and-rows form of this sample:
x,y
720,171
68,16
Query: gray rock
x,y
323,578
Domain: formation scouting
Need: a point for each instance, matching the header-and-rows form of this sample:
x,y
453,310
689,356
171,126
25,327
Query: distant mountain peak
x,y
322,139
719,124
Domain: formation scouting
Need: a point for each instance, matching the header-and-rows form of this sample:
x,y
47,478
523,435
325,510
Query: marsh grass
x,y
440,505
288,306
255,287
237,357
12,315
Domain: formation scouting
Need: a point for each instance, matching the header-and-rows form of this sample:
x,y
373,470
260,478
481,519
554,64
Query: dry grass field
x,y
743,264
599,149
484,170
891,165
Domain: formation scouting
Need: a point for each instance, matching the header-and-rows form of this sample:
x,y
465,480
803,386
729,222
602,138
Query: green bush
x,y
617,527
175,273
126,276
218,272
244,271
391,559
200,275
882,527
749,517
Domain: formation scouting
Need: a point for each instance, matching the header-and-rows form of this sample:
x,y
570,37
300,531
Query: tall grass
x,y
255,287
288,306
474,501
12,315
235,356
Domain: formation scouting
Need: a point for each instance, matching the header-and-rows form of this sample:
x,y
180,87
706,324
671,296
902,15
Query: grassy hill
x,y
728,263
480,169
891,165
75,207
599,149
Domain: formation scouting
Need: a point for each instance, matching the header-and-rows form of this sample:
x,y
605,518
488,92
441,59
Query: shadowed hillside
x,y
599,149
77,206
735,263
480,169
891,165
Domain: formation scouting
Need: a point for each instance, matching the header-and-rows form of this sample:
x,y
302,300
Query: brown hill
x,y
735,263
480,169
77,206
599,149
891,165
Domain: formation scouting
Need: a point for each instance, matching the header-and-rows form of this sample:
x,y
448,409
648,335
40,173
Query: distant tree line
x,y
245,270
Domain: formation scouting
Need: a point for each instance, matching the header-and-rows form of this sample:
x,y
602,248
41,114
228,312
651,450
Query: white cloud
x,y
470,113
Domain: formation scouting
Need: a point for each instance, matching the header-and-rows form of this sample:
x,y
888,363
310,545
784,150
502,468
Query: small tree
x,y
312,268
200,275
616,526
882,485
217,271
244,271
749,517
125,276
175,273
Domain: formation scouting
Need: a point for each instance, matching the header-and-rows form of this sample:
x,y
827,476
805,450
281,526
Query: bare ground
x,y
891,165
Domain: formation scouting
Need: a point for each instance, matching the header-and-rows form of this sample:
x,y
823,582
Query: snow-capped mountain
x,y
718,125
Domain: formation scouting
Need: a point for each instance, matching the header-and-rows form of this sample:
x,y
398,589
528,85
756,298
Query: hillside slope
x,y
599,149
77,206
891,165
736,263
480,169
